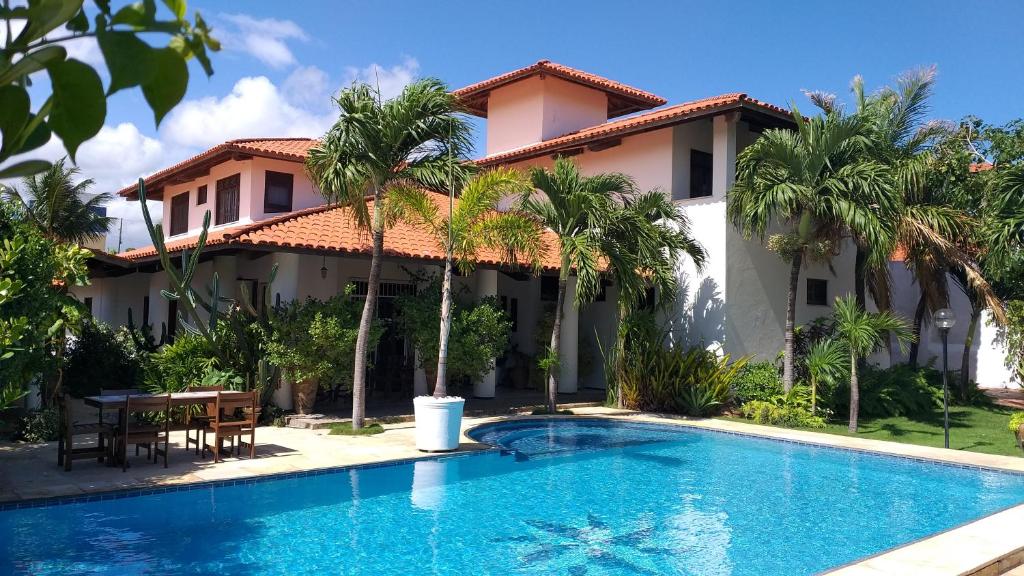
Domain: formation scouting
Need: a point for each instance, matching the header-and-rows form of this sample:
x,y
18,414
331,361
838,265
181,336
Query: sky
x,y
282,61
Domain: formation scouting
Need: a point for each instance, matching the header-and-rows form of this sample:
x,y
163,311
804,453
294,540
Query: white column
x,y
420,386
285,288
486,285
568,353
723,154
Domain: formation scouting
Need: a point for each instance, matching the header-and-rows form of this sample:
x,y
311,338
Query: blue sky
x,y
279,67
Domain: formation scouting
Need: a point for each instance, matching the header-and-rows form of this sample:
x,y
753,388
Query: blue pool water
x,y
565,497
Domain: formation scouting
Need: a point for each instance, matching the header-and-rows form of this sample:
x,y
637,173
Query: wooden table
x,y
177,399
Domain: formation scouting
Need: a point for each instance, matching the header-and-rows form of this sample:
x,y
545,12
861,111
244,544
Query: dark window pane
x,y
817,292
227,199
172,319
145,309
549,288
700,174
179,214
201,195
88,304
514,314
277,196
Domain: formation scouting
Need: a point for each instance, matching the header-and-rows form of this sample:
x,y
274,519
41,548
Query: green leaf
x,y
178,7
127,58
80,23
79,104
26,168
39,135
14,112
45,16
168,84
33,62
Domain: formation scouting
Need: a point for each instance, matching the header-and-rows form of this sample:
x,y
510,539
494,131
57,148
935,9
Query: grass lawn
x,y
345,429
978,429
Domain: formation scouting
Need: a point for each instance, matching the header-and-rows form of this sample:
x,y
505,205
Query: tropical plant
x,y
578,210
180,364
39,426
479,332
74,103
55,203
470,226
826,363
656,377
862,333
899,390
374,147
645,241
783,410
816,184
1016,421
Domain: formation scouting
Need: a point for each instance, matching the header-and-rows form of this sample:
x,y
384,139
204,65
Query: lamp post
x,y
944,320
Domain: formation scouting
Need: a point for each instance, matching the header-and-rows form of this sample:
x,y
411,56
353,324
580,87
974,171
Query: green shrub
x,y
102,358
757,381
183,363
1016,419
774,414
656,377
40,426
897,391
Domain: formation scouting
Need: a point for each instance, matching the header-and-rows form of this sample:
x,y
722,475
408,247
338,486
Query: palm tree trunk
x,y
859,281
854,393
620,351
366,320
965,361
440,387
814,395
787,351
915,344
556,337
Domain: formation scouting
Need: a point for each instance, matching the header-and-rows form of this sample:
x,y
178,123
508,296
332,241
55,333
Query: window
x,y
172,319
145,310
227,199
88,304
549,288
179,214
700,174
277,196
201,195
513,312
817,292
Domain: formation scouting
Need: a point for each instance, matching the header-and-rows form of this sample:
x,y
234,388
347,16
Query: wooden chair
x,y
198,423
136,432
227,423
66,451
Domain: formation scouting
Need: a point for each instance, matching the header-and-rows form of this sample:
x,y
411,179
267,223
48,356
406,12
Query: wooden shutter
x,y
179,214
227,199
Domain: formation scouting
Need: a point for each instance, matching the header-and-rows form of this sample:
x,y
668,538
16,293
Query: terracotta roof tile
x,y
633,124
333,229
294,149
623,99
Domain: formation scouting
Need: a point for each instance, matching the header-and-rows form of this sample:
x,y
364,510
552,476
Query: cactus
x,y
143,336
180,281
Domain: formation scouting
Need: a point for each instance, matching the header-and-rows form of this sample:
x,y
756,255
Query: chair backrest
x,y
228,402
160,403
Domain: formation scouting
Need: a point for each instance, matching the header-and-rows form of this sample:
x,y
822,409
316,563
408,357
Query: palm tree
x,y
646,239
812,181
374,147
55,203
825,362
579,210
473,225
862,333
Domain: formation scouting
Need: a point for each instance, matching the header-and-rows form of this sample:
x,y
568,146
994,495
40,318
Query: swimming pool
x,y
564,497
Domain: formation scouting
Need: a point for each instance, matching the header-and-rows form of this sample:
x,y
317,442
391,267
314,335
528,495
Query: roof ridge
x,y
269,139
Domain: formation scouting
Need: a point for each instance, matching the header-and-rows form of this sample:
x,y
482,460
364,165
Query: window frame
x,y
269,208
710,167
221,214
201,195
182,204
813,298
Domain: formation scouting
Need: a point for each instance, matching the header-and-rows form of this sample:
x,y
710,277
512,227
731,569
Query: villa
x,y
266,212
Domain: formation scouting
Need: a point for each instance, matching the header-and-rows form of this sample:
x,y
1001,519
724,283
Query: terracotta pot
x,y
304,395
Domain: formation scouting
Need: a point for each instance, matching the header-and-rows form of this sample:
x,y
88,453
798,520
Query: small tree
x,y
473,225
862,333
825,362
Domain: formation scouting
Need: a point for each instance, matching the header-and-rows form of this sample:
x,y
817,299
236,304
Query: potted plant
x,y
461,231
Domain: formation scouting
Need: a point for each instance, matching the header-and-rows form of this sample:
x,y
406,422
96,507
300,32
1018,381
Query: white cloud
x,y
390,81
309,86
255,107
265,39
87,50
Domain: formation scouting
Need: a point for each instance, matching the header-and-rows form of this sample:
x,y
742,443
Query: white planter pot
x,y
438,422
283,395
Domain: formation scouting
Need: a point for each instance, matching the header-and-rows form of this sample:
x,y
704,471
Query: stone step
x,y
318,421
